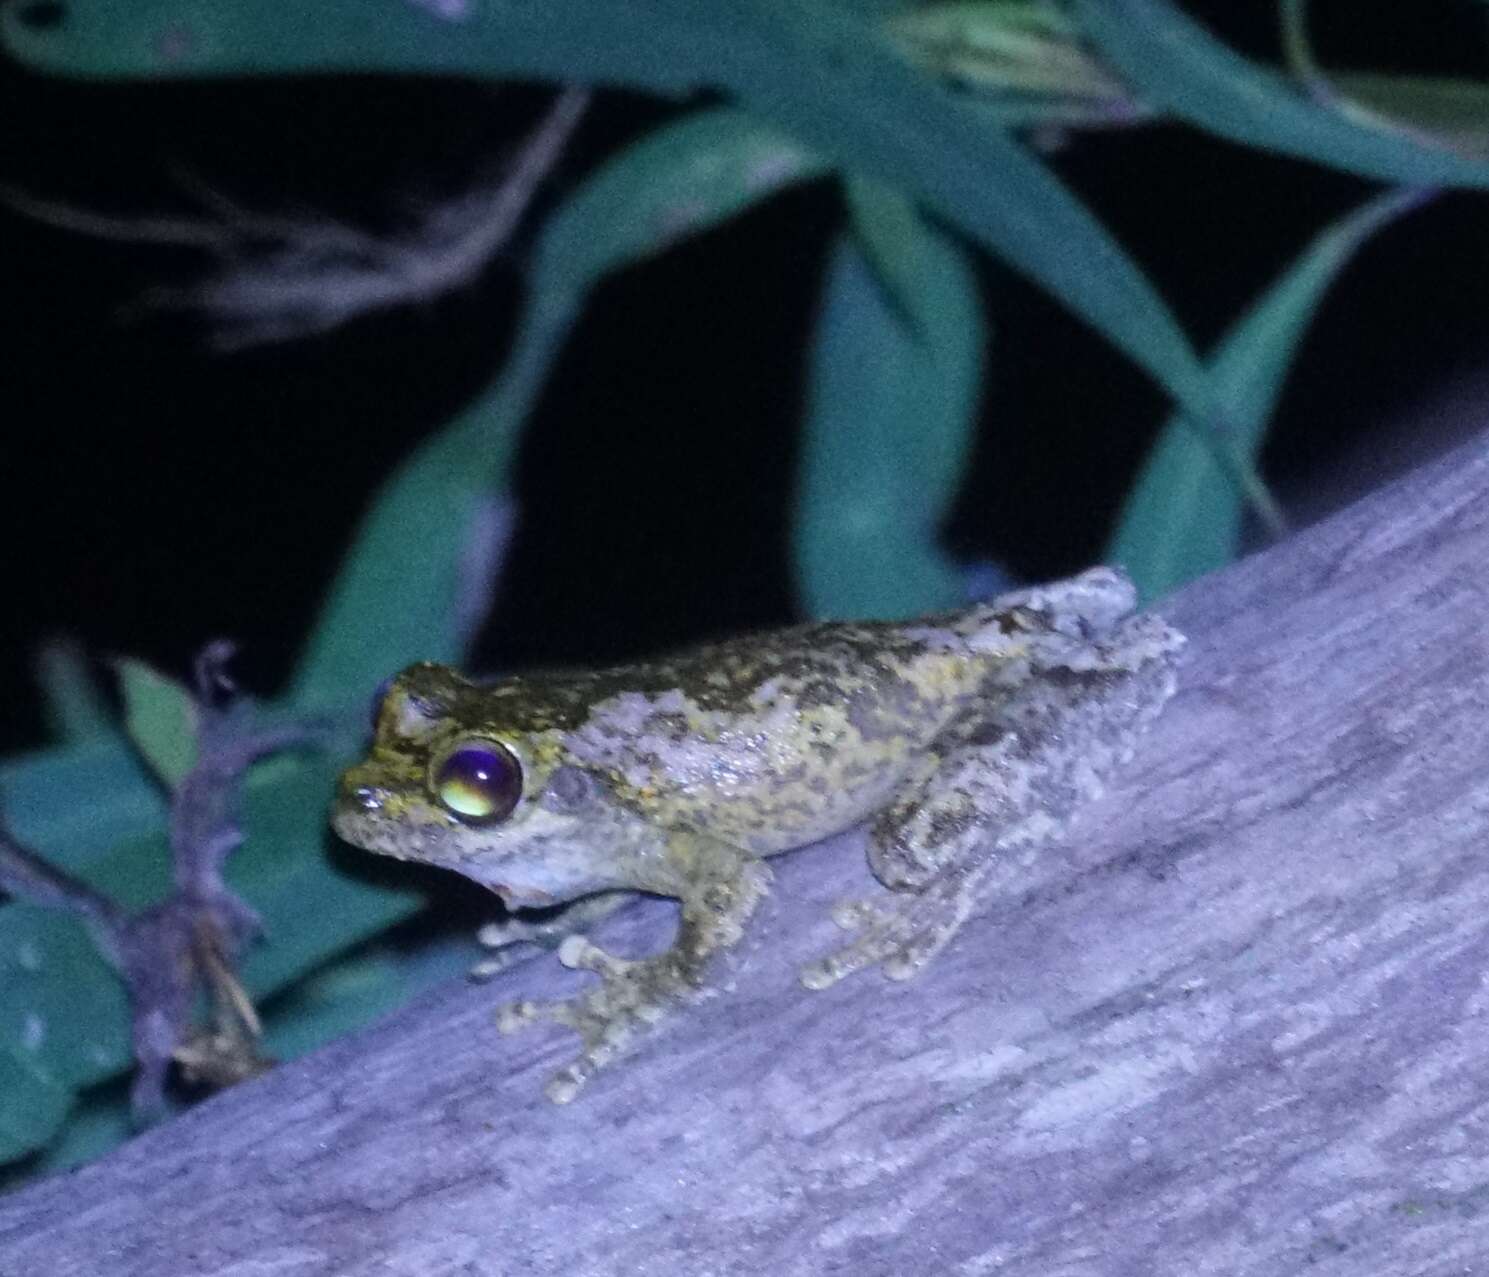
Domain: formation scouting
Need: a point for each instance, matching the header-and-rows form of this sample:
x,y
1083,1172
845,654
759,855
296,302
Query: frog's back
x,y
776,739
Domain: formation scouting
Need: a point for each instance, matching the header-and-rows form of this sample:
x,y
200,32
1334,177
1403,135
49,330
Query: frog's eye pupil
x,y
377,700
479,781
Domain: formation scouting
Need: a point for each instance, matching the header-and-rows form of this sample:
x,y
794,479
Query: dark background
x,y
157,494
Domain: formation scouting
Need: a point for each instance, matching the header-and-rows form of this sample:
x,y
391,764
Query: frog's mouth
x,y
357,828
354,826
365,824
512,897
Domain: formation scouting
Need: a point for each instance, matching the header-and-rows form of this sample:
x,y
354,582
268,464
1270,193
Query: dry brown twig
x,y
192,940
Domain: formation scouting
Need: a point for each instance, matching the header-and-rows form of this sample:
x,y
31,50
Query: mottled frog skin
x,y
961,740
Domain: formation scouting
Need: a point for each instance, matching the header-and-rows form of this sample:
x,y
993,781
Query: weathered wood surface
x,y
1239,1025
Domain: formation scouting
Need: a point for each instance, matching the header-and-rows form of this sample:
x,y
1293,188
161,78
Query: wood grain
x,y
1237,1025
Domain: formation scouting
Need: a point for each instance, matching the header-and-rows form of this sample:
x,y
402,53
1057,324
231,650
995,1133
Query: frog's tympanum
x,y
960,741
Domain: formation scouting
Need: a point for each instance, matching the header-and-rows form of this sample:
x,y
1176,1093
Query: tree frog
x,y
959,740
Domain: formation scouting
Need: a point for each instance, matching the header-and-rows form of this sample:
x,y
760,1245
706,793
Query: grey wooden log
x,y
1238,1024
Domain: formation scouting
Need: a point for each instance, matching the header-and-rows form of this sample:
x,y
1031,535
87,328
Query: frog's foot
x,y
633,995
546,929
903,932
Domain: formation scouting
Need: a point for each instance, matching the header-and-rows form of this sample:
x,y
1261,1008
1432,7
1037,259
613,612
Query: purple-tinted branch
x,y
28,877
193,939
1234,1026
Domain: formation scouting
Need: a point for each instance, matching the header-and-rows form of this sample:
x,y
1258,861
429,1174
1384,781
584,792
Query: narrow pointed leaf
x,y
34,1107
825,75
891,408
160,717
1178,66
72,702
398,597
1183,516
1456,110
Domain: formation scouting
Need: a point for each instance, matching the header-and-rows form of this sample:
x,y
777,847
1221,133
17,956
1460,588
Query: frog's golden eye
x,y
478,780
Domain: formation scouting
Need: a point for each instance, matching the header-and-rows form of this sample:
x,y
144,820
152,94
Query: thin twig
x,y
280,278
191,940
28,877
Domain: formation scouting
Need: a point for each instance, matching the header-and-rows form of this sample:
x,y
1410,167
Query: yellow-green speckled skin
x,y
958,738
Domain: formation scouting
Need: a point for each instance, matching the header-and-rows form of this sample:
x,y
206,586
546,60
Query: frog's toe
x,y
506,939
826,972
908,958
488,968
507,936
630,997
516,1016
863,952
603,1041
902,936
854,915
564,1085
579,954
603,1036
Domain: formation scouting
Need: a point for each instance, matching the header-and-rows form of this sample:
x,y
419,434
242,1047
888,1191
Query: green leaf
x,y
75,709
98,1121
1021,45
161,719
1182,517
1177,65
821,72
887,230
1447,112
1455,110
33,1108
62,1003
891,408
396,597
74,804
681,180
396,600
92,810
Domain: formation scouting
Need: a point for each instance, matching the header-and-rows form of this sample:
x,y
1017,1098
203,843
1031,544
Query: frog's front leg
x,y
719,888
547,929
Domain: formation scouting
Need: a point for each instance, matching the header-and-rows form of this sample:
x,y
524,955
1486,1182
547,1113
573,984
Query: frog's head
x,y
473,778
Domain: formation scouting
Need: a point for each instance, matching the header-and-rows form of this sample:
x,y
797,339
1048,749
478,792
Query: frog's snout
x,y
359,789
364,797
359,800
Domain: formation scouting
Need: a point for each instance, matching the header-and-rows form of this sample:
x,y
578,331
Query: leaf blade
x,y
892,402
1174,62
824,74
397,598
1182,517
160,717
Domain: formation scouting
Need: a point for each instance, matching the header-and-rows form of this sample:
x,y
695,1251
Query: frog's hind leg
x,y
633,994
935,847
973,825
